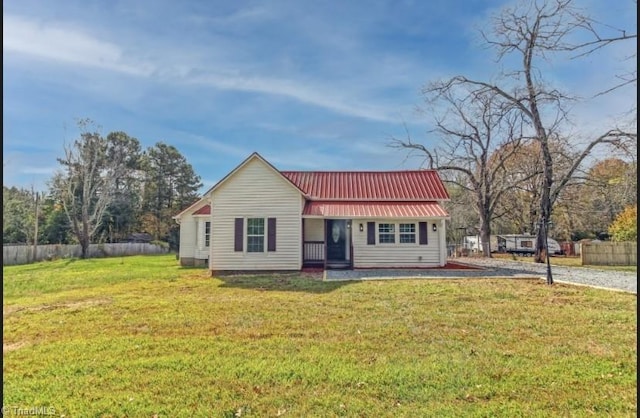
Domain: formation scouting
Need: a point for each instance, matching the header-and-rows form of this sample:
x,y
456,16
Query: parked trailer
x,y
525,245
474,243
510,243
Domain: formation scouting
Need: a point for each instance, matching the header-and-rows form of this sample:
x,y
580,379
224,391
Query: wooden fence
x,y
23,254
609,253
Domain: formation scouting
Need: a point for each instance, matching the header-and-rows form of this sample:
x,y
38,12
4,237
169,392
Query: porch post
x,y
442,239
302,244
324,245
350,243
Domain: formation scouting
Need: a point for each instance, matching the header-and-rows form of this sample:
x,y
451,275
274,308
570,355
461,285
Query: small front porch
x,y
327,243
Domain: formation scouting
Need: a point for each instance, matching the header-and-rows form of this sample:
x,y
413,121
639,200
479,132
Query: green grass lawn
x,y
141,337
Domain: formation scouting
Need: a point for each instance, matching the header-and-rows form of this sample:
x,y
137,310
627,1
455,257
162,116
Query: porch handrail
x,y
313,250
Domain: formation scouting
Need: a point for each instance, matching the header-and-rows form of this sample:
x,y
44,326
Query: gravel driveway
x,y
492,267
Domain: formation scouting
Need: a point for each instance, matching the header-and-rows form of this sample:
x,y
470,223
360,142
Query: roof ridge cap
x,y
418,170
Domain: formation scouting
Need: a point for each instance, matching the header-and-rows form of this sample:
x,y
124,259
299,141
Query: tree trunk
x,y
84,246
545,203
485,234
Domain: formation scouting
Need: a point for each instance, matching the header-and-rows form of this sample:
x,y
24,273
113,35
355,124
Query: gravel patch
x,y
494,268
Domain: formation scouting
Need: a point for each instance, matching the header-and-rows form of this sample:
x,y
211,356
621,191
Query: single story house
x,y
258,218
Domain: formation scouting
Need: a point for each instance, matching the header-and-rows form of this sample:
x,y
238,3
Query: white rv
x,y
474,243
510,243
524,245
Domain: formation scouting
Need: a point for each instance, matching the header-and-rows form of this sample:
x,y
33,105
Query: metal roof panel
x,y
375,209
409,185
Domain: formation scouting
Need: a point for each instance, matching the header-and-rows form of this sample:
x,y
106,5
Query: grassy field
x,y
141,337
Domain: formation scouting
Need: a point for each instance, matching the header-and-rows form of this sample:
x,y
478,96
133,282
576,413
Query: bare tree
x,y
531,32
480,133
518,210
85,185
600,40
534,30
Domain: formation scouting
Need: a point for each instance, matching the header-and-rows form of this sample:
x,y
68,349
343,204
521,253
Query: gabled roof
x,y
409,185
205,210
194,208
370,193
253,156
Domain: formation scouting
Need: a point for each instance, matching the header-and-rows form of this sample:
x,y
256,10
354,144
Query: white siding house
x,y
258,218
254,194
194,248
406,250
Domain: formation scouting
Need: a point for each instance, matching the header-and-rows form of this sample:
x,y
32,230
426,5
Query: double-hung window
x,y
260,233
401,233
255,235
207,234
407,233
386,233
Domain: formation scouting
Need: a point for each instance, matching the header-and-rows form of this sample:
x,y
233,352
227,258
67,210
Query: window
x,y
207,233
407,233
526,244
386,233
255,235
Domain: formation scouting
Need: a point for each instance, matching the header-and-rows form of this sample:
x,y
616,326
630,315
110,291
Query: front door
x,y
336,231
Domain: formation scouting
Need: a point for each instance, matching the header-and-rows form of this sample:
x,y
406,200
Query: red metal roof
x,y
408,193
205,210
375,209
409,185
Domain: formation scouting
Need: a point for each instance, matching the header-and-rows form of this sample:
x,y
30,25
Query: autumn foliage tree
x,y
625,226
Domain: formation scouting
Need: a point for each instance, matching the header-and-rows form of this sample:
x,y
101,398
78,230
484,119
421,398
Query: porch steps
x,y
338,265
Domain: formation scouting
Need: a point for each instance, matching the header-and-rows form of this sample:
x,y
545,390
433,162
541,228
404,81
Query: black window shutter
x,y
423,233
271,234
238,234
371,233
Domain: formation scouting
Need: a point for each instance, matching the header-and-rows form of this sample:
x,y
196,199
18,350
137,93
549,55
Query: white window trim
x,y
414,233
205,234
264,235
392,233
397,233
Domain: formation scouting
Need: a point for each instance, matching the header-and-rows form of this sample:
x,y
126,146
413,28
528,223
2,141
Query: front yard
x,y
140,336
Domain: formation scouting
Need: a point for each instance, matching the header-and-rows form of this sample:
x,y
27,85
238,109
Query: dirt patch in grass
x,y
7,311
8,347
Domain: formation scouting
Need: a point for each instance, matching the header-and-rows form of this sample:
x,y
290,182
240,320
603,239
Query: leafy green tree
x,y
122,215
55,227
170,184
18,215
625,225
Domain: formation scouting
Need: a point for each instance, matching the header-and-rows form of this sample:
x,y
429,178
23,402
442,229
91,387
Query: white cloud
x,y
64,45
321,97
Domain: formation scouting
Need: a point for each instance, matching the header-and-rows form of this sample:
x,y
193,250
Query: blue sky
x,y
309,85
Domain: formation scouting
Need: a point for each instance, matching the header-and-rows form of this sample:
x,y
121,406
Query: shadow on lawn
x,y
287,282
